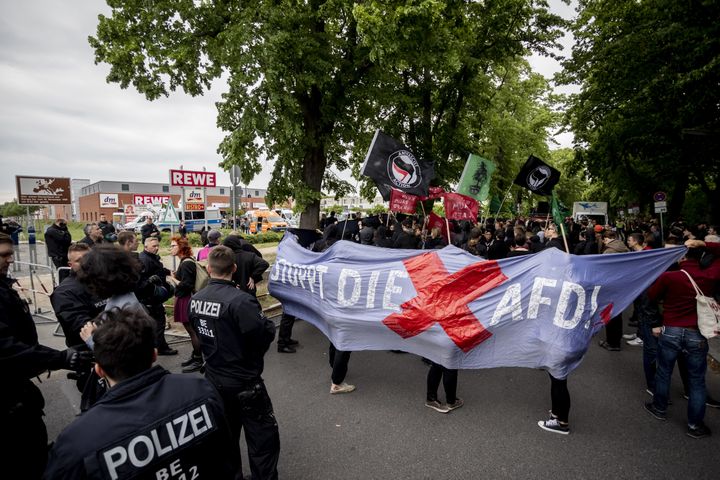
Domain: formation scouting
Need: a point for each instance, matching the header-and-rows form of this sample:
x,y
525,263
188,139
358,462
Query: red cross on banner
x,y
443,298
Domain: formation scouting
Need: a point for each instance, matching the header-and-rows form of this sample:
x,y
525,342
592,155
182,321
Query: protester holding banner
x,y
449,379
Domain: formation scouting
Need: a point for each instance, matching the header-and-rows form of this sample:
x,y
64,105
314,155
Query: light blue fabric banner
x,y
537,311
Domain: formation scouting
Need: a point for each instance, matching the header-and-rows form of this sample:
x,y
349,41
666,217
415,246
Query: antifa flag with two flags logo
x,y
392,165
537,176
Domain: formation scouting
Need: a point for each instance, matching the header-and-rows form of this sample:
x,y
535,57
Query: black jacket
x,y
106,228
58,241
147,230
180,416
185,275
151,265
248,266
74,306
234,334
366,235
406,240
21,357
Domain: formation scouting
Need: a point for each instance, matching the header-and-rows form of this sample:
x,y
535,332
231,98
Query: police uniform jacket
x,y
21,357
233,332
152,425
74,306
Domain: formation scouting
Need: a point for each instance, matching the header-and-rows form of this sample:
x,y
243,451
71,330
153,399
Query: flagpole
x,y
502,203
447,225
342,237
422,234
562,228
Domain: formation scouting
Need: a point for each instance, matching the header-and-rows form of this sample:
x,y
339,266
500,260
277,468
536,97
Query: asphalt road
x,y
383,430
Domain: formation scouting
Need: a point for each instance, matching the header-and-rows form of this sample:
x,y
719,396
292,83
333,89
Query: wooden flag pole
x,y
562,229
422,234
502,203
447,225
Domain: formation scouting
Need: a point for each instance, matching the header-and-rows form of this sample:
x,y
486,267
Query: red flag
x,y
434,193
403,202
438,221
460,207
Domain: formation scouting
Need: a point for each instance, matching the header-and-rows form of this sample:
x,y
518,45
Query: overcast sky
x,y
60,118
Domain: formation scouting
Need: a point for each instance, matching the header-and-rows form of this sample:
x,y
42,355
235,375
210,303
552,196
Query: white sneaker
x,y
636,342
342,388
630,336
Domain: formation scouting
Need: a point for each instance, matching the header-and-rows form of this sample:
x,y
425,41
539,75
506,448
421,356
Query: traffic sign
x,y
235,175
660,209
660,196
660,204
170,216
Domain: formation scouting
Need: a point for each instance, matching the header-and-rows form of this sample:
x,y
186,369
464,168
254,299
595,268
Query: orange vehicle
x,y
268,220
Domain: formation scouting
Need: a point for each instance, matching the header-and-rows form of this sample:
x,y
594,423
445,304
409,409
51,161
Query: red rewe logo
x,y
443,298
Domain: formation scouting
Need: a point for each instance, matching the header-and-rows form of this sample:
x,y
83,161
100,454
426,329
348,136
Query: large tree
x,y
307,81
647,117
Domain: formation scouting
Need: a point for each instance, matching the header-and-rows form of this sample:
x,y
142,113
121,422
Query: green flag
x,y
559,211
475,179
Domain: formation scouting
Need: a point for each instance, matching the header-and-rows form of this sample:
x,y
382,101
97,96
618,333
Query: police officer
x,y
21,358
72,303
234,336
107,229
150,423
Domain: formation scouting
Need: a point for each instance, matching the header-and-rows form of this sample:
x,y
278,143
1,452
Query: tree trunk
x,y
313,170
314,160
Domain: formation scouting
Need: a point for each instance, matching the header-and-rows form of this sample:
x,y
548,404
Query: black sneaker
x,y
553,425
193,358
608,347
292,341
698,431
286,349
193,367
168,351
650,407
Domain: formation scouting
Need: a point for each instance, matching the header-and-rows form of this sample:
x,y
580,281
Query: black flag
x,y
392,165
537,176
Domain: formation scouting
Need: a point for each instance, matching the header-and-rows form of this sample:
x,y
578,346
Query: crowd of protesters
x,y
125,294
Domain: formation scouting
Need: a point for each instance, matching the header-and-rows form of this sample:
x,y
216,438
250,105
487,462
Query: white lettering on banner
x,y
390,288
593,305
568,289
357,283
372,285
536,298
295,274
311,277
510,304
142,449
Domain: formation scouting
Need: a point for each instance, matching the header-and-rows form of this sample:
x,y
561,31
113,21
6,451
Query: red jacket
x,y
678,295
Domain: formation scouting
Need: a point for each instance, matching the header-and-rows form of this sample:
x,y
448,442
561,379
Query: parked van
x,y
268,220
194,220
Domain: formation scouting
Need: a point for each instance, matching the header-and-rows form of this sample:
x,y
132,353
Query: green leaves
x,y
308,82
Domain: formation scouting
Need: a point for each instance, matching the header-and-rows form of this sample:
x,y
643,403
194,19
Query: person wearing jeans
x,y
673,341
680,335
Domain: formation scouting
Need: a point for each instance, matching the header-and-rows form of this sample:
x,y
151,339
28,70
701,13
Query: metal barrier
x,y
34,277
